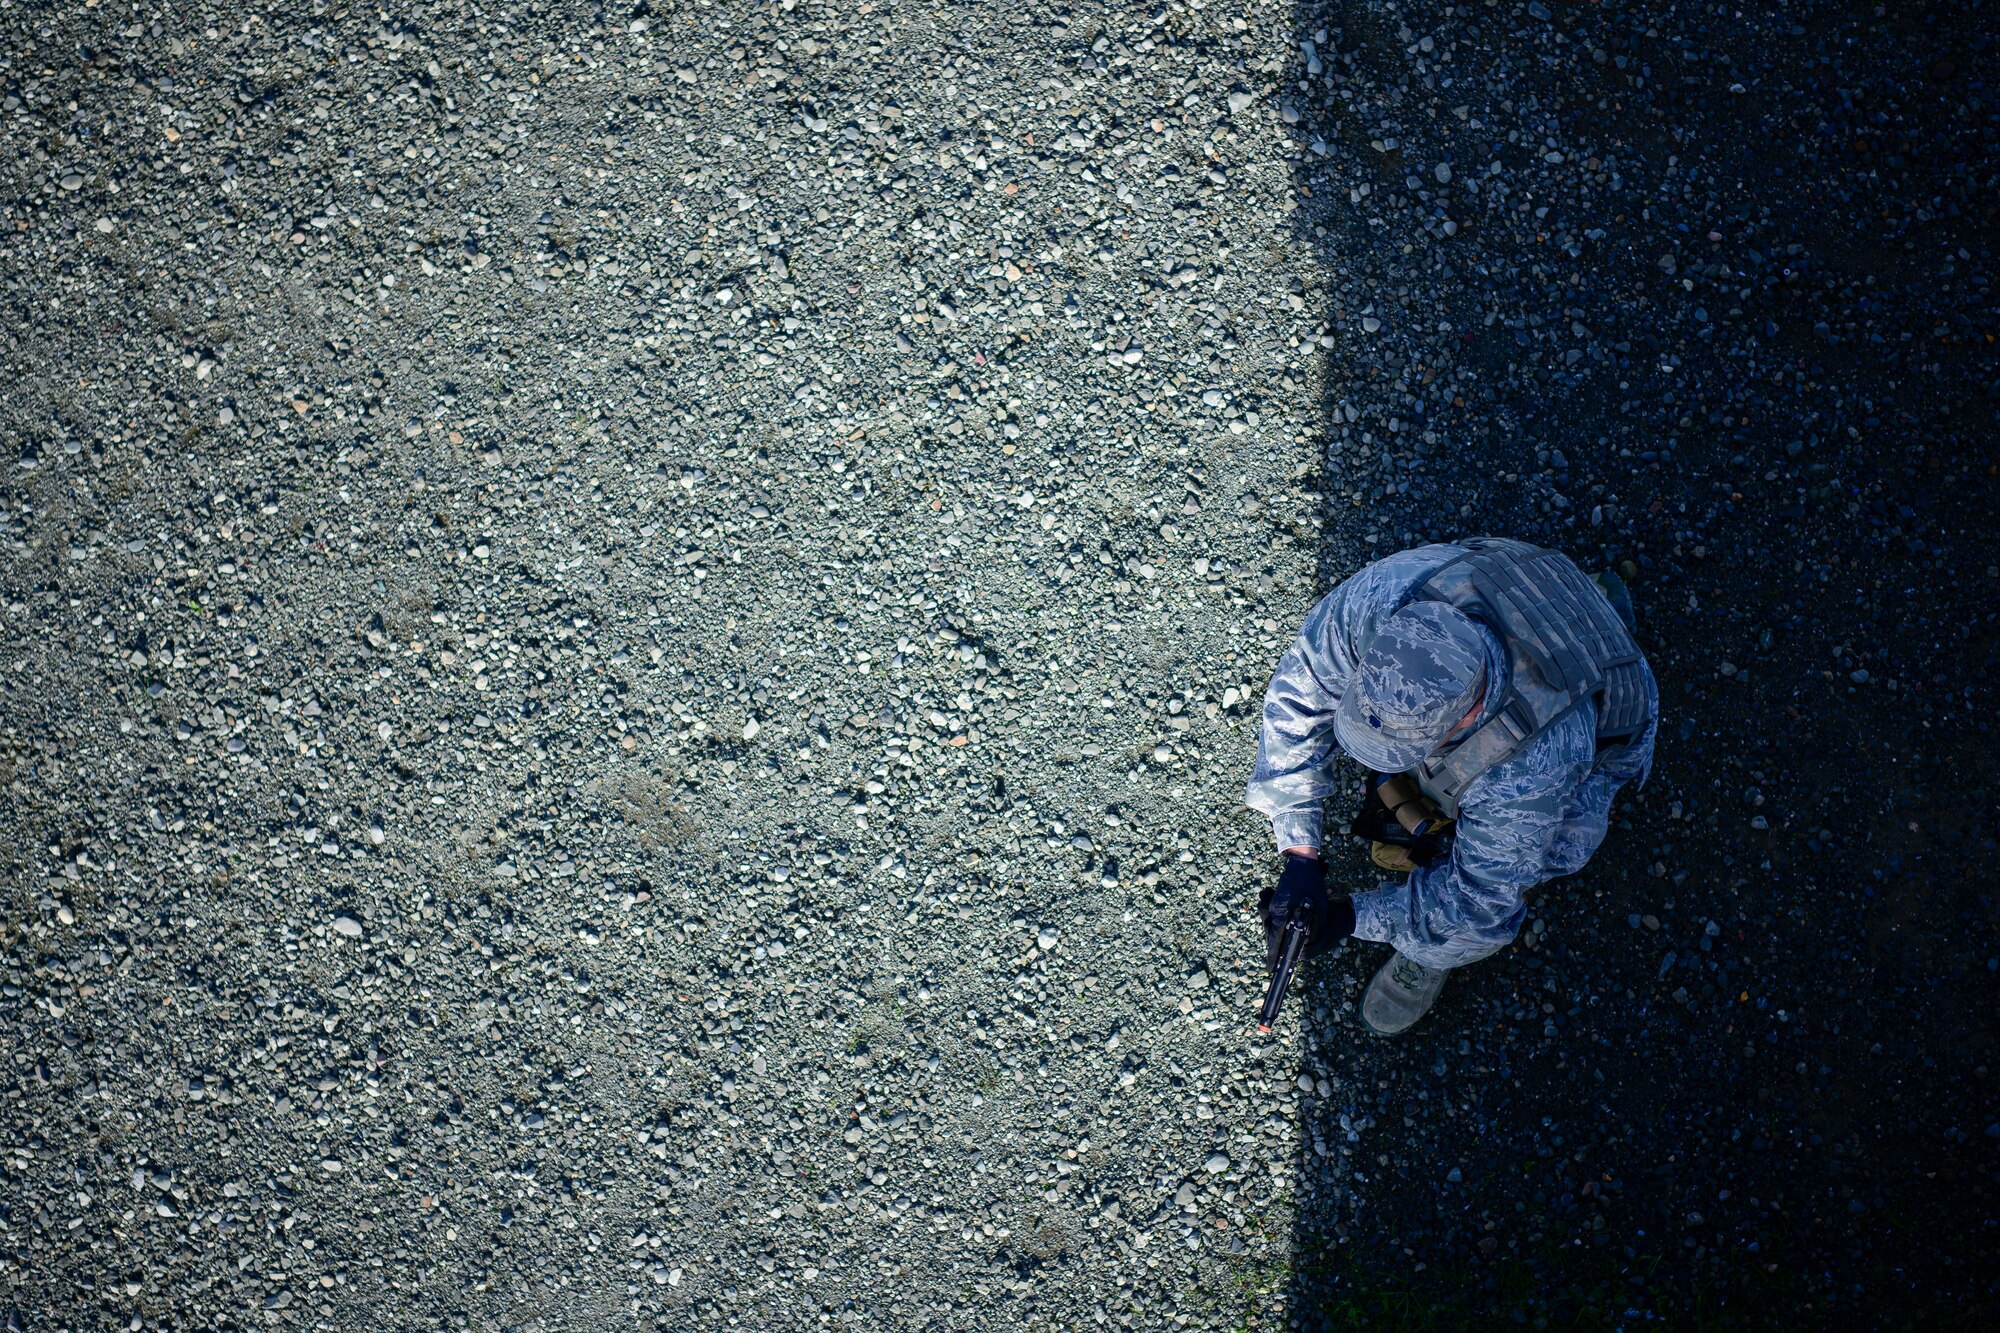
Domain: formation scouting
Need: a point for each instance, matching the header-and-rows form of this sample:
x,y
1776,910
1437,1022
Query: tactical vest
x,y
1565,645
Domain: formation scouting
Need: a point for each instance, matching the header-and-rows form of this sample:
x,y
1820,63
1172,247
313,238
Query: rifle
x,y
1296,933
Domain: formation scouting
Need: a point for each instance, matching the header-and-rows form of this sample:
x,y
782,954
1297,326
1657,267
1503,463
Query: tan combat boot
x,y
1401,993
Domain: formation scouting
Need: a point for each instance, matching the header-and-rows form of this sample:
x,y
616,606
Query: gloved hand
x,y
1301,887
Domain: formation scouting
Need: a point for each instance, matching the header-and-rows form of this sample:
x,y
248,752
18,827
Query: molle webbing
x,y
1565,644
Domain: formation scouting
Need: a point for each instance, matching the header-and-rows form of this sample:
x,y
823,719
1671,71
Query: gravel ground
x,y
632,640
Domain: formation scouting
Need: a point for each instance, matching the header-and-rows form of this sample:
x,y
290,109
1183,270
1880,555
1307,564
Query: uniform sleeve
x,y
1588,817
1295,748
1462,909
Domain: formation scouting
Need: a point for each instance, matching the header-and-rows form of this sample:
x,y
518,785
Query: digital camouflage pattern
x,y
1415,681
1532,818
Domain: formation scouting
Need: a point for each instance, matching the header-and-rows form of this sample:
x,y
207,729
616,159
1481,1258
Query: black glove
x,y
1301,889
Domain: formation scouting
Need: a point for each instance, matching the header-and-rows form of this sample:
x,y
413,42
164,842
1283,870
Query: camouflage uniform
x,y
1531,818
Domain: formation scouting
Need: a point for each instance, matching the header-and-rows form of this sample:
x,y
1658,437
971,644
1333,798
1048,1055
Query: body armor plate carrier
x,y
1565,645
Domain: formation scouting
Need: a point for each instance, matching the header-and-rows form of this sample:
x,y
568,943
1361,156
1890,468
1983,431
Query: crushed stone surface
x,y
632,639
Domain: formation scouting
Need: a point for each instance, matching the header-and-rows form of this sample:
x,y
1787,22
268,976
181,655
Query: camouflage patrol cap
x,y
1417,679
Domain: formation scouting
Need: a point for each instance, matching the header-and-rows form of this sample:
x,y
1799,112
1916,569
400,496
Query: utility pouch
x,y
1414,811
1404,828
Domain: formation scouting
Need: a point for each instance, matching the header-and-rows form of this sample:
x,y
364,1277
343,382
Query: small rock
x,y
348,926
